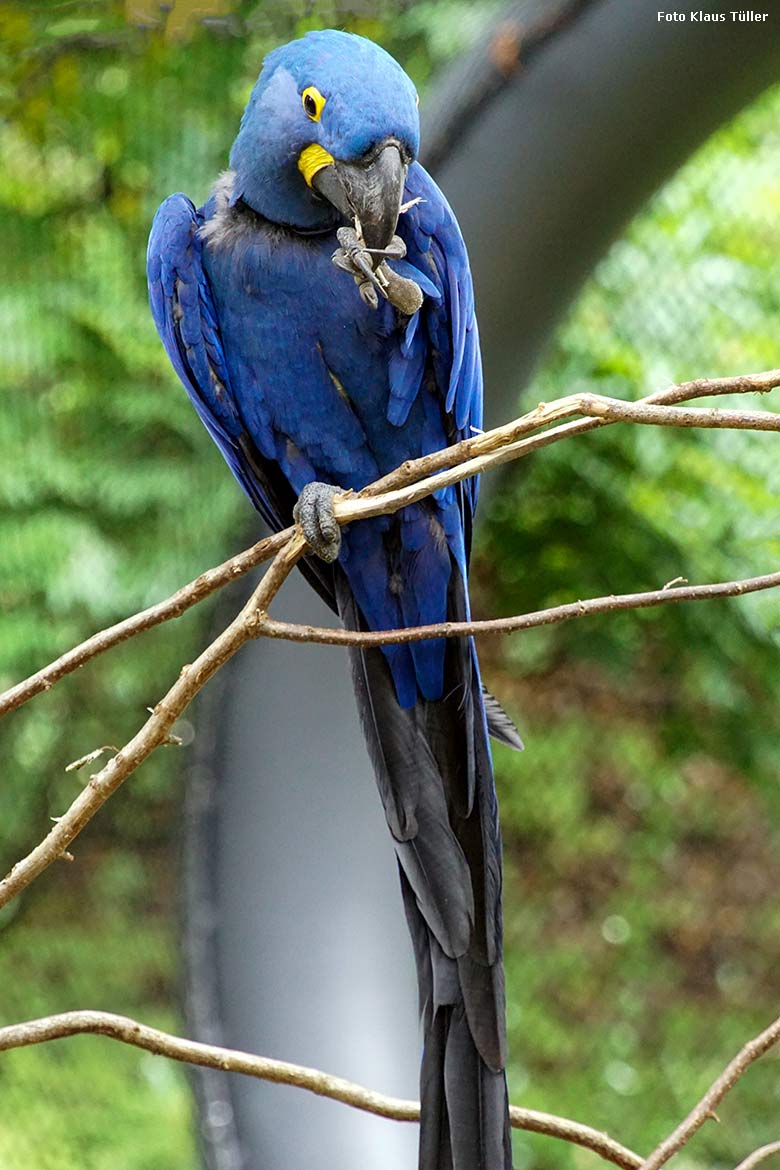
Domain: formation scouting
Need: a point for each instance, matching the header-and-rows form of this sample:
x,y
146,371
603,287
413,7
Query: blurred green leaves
x,y
111,495
105,1103
640,823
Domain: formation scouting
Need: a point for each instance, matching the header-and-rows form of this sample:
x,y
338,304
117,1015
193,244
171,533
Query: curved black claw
x,y
314,513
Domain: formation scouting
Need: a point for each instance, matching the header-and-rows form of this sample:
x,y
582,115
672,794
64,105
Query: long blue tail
x,y
434,772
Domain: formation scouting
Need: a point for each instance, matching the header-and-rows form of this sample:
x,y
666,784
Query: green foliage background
x,y
641,824
644,816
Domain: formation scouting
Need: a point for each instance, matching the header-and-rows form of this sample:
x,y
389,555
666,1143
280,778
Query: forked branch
x,y
749,1054
599,412
411,482
157,728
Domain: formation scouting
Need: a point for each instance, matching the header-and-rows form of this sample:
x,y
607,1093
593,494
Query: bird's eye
x,y
313,102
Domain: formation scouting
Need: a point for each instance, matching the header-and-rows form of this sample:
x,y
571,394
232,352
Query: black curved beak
x,y
372,190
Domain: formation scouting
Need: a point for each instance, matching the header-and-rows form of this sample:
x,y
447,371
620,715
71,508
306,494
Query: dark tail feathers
x,y
464,1123
433,770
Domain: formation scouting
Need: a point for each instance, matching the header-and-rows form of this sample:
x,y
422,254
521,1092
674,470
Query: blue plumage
x,y
298,379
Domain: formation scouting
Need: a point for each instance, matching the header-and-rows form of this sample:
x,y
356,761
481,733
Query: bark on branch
x,y
323,1084
294,632
172,607
705,1109
129,1031
157,728
600,412
759,1155
412,481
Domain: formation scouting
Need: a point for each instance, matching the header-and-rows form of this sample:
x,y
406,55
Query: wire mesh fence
x,y
641,823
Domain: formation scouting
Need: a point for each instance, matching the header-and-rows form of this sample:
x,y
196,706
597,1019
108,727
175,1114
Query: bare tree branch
x,y
280,1072
508,439
713,387
172,607
759,1155
547,413
472,457
475,456
157,728
129,1031
294,632
412,481
748,1055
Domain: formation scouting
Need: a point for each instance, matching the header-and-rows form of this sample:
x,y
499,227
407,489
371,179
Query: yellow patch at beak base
x,y
313,159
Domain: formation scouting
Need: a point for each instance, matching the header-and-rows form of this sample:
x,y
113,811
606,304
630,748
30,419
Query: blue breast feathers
x,y
296,379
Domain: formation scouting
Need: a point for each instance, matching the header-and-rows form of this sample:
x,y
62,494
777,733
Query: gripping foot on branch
x,y
314,513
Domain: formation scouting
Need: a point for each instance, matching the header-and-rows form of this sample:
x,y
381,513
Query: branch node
x,y
256,622
90,757
415,480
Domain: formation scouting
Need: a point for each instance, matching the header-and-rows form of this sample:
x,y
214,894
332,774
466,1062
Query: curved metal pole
x,y
570,147
295,942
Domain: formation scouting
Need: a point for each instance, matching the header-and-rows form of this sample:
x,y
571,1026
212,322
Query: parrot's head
x,y
328,133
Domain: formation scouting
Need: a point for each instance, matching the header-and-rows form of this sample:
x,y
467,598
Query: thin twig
x,y
323,1084
411,482
752,1051
507,440
547,413
157,727
492,454
759,1155
472,457
713,387
172,607
294,632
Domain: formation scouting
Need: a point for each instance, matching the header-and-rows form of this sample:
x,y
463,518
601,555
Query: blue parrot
x,y
311,382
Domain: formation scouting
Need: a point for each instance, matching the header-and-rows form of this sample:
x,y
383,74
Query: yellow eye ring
x,y
313,102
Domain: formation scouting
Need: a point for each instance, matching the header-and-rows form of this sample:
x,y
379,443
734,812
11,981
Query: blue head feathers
x,y
329,90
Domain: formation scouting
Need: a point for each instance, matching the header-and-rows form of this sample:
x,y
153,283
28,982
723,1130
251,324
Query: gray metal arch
x,y
294,941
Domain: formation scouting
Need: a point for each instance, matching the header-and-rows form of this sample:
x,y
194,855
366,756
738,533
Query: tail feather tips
x,y
465,1120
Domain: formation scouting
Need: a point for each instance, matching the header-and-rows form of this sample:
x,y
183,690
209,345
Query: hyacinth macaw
x,y
309,381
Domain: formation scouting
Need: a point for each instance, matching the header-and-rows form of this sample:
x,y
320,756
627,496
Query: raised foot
x,y
372,275
314,513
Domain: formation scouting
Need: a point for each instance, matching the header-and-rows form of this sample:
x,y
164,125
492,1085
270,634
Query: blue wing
x,y
183,311
440,351
445,329
435,397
